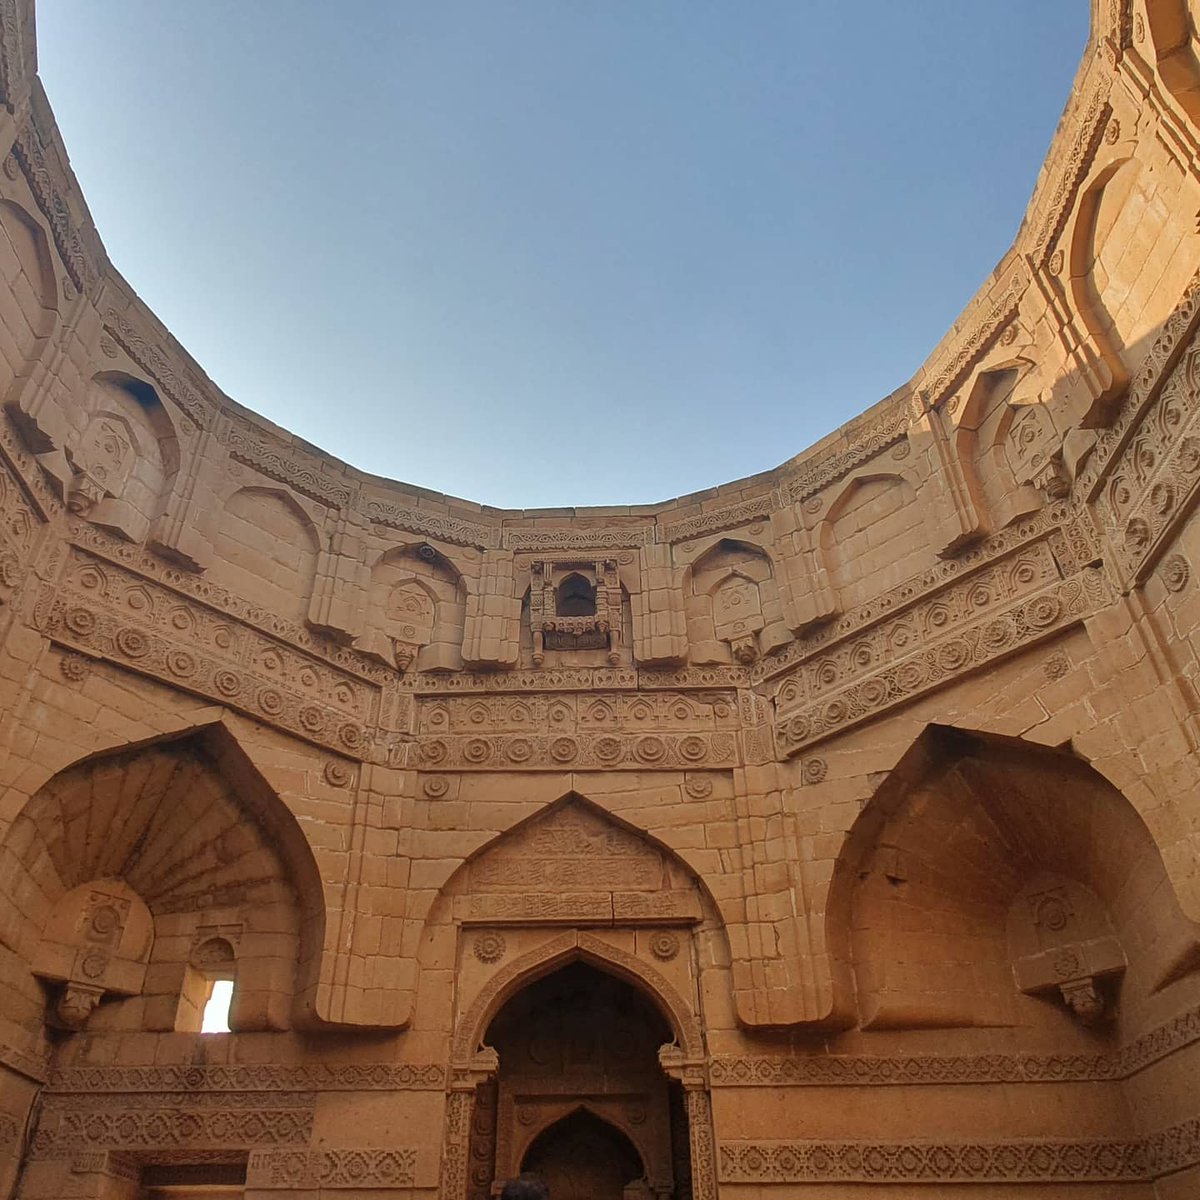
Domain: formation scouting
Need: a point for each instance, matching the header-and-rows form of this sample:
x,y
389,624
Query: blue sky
x,y
569,252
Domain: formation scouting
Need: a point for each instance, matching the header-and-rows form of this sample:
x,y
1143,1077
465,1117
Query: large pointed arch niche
x,y
995,882
182,836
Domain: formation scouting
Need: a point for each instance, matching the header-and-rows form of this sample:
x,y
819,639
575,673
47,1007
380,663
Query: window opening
x,y
216,1007
575,597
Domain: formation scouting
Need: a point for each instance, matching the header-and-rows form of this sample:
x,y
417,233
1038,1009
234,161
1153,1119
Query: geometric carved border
x,y
934,1162
261,1077
332,1168
167,1128
934,663
846,1070
1137,1159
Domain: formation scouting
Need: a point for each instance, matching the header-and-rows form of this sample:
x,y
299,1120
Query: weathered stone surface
x,y
836,829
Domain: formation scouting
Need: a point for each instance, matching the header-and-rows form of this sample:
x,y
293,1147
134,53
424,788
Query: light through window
x,y
216,1010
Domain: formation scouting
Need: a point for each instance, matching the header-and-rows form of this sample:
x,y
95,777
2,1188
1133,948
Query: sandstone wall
x,y
877,773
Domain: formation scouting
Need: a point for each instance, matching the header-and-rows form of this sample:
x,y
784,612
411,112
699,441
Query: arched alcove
x,y
186,830
265,549
994,882
734,609
416,610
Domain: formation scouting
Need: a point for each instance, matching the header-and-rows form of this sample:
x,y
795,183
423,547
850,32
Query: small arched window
x,y
575,596
207,994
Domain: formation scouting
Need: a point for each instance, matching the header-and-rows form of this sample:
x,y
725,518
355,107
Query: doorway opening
x,y
580,1097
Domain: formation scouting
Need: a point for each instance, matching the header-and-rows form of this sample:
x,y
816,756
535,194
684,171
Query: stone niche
x,y
576,606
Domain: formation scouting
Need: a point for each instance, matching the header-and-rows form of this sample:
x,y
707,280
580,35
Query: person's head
x,y
525,1186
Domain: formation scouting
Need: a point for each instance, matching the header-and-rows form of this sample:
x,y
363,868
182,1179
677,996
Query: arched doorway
x,y
580,1095
583,1157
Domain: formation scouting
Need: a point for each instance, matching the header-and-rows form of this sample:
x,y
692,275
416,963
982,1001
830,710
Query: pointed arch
x,y
265,550
188,822
961,828
574,946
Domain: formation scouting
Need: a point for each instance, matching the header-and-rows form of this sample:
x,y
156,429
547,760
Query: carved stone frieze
x,y
95,541
436,525
78,1129
578,751
865,439
666,730
51,198
152,360
1154,482
63,1102
853,682
12,54
718,519
908,1070
108,612
247,1077
368,1168
18,534
947,372
933,1162
576,539
296,469
1094,113
582,679
1145,388
1068,534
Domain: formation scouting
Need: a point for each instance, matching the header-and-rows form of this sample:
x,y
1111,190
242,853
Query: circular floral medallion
x,y
699,787
564,749
181,663
609,750
75,667
351,735
519,750
133,643
813,770
80,621
650,749
338,773
664,945
1176,573
489,947
312,718
477,750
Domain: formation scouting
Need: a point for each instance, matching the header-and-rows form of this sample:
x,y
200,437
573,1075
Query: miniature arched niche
x,y
265,549
194,833
993,882
1173,38
124,458
873,537
733,606
1009,446
416,610
27,270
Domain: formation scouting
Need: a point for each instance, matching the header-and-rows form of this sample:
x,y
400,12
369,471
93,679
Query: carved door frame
x,y
471,1063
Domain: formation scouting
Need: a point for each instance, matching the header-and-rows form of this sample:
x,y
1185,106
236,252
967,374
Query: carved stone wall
x,y
874,776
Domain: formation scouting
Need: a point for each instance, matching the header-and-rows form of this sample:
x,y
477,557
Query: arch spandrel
x,y
557,951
